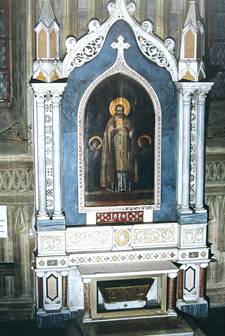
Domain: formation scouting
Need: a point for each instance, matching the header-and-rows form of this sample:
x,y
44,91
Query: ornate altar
x,y
119,161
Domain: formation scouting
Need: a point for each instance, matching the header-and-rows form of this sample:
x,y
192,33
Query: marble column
x,y
87,308
171,292
180,284
40,112
40,302
185,200
64,289
180,150
200,155
202,281
57,202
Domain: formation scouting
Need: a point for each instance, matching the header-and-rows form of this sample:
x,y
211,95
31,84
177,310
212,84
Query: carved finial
x,y
120,45
70,43
147,26
131,7
192,46
170,44
193,15
94,26
47,15
47,66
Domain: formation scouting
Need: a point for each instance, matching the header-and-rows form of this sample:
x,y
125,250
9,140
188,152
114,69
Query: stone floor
x,y
214,325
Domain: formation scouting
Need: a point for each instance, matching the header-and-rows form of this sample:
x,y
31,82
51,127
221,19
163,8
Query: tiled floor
x,y
214,325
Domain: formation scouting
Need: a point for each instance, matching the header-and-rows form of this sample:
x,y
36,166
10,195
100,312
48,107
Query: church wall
x,y
215,155
16,192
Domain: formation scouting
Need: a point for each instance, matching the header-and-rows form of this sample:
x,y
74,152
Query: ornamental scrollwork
x,y
154,236
153,53
88,52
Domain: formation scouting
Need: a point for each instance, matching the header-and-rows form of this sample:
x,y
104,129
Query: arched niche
x,y
103,182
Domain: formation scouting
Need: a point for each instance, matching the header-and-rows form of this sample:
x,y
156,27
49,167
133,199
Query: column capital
x,y
65,273
86,281
40,97
56,97
204,87
172,275
44,88
186,87
40,274
182,267
204,265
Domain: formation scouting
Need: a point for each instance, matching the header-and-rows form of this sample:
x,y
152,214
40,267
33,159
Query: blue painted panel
x,y
78,82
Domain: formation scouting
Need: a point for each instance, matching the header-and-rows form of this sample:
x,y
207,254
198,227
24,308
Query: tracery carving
x,y
88,52
153,52
18,180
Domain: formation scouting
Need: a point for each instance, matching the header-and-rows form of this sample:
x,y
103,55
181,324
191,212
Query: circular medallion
x,y
122,237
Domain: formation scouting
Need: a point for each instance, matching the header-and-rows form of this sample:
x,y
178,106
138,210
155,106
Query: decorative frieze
x,y
155,235
193,235
89,238
215,173
123,257
193,254
16,180
105,238
51,243
55,262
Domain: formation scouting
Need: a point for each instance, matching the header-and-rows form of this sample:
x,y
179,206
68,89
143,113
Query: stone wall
x,y
16,191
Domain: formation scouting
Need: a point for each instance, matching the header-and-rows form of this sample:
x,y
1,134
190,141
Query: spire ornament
x,y
47,66
191,65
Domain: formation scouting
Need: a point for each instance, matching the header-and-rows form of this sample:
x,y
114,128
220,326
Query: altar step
x,y
165,326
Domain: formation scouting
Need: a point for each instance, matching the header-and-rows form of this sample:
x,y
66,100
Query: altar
x,y
119,159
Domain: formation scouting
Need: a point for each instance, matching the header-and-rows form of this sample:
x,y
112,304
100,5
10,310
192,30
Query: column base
x,y
192,218
52,320
185,210
50,224
200,210
197,309
42,216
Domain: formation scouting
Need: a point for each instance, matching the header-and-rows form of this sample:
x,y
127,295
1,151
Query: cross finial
x,y
120,45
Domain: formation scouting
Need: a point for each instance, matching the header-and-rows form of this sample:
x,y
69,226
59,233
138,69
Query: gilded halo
x,y
95,143
119,101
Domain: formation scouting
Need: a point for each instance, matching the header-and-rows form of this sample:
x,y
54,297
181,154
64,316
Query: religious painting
x,y
119,138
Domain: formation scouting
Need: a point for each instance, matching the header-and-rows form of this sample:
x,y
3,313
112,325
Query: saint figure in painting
x,y
118,170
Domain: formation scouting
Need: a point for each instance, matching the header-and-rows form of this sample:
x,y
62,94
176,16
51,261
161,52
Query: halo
x,y
92,140
119,101
144,136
